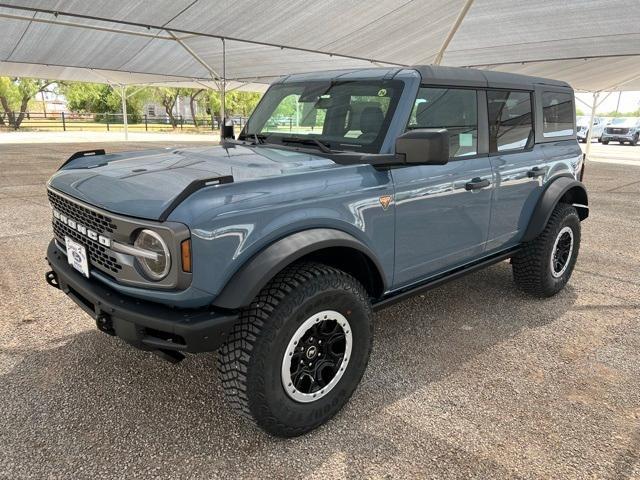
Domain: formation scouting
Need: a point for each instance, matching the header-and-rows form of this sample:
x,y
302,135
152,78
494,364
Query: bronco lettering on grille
x,y
71,223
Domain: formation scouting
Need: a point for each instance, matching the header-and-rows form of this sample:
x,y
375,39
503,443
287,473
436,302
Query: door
x,y
442,211
517,163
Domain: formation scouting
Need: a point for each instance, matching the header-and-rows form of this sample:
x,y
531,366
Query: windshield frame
x,y
248,133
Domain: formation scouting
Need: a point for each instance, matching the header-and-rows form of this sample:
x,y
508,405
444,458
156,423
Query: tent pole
x,y
223,91
587,150
465,8
124,112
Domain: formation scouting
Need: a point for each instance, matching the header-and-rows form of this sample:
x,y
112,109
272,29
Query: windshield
x,y
340,115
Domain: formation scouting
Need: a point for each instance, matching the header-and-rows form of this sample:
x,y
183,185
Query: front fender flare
x,y
247,282
550,197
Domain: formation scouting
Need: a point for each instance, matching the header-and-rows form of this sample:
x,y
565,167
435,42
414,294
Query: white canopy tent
x,y
592,44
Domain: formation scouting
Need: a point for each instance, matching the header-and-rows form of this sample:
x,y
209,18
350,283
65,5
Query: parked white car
x,y
582,127
623,130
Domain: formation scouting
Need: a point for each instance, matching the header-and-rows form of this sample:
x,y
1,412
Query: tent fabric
x,y
591,44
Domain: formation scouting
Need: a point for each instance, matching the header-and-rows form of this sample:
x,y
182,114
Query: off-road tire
x,y
532,270
250,362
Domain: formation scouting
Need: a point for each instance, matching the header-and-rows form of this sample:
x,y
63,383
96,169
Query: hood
x,y
629,123
143,184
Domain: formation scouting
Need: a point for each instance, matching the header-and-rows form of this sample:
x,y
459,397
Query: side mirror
x,y
424,146
227,129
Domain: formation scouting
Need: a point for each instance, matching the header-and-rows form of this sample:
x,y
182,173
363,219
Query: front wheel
x,y
299,351
544,265
605,142
634,142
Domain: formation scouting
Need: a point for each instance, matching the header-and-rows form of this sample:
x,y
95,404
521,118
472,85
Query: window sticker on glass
x,y
382,92
465,140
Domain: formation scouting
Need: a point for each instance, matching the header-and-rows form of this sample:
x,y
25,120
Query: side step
x,y
434,282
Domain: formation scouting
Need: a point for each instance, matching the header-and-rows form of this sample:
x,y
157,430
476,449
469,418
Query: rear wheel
x,y
299,351
544,265
605,142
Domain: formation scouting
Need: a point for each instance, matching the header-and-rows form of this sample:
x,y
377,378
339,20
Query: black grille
x,y
90,219
99,256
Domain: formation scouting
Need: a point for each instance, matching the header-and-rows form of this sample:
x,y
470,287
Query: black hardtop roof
x,y
435,75
459,76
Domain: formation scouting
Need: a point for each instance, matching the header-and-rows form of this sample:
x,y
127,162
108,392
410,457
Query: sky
x,y
629,101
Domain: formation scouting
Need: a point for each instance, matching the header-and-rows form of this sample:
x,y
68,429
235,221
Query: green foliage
x,y
579,112
103,99
237,103
635,113
15,94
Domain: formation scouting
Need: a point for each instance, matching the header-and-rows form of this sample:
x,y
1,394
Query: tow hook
x,y
52,279
170,356
104,323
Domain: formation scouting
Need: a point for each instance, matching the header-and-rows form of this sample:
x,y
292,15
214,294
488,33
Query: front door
x,y
443,211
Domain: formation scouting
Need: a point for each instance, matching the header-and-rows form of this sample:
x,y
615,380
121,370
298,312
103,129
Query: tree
x,y
236,103
168,97
192,101
105,99
15,94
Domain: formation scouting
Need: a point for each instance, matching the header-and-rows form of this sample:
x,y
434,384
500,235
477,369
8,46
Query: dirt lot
x,y
472,380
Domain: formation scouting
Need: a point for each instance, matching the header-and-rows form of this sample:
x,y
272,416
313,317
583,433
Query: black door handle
x,y
477,183
536,172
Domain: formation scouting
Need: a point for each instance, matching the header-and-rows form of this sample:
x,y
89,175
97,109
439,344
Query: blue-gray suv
x,y
274,248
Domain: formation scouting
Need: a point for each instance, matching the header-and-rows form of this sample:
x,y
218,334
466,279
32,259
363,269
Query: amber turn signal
x,y
185,250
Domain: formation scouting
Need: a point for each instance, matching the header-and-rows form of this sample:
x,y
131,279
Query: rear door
x,y
517,163
442,211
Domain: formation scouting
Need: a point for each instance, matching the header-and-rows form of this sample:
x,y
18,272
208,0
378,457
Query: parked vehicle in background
x,y
623,130
582,128
274,249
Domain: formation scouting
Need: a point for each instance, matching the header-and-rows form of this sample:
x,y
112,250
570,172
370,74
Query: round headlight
x,y
156,267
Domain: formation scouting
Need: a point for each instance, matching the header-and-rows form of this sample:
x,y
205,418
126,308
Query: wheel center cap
x,y
312,351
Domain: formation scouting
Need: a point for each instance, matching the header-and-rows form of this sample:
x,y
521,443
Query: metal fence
x,y
71,121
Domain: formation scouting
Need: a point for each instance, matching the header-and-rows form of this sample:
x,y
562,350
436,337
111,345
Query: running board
x,y
434,282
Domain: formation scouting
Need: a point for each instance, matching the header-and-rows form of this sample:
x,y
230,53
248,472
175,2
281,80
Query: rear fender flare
x,y
575,193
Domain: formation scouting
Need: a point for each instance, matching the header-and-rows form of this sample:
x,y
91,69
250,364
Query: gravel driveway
x,y
472,380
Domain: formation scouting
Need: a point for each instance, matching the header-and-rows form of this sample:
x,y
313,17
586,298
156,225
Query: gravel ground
x,y
472,380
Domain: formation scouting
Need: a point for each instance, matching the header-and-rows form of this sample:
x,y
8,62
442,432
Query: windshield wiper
x,y
308,141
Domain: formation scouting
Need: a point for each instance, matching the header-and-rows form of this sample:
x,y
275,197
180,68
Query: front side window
x,y
557,114
456,110
346,115
510,120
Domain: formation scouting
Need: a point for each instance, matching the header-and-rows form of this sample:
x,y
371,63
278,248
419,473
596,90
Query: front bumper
x,y
145,325
617,137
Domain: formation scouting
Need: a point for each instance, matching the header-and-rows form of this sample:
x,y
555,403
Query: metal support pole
x,y
223,90
64,124
587,150
454,28
124,112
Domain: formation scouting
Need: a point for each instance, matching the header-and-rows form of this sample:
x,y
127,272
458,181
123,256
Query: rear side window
x,y
510,120
456,110
557,114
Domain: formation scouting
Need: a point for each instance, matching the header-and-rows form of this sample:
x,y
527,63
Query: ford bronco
x,y
274,248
